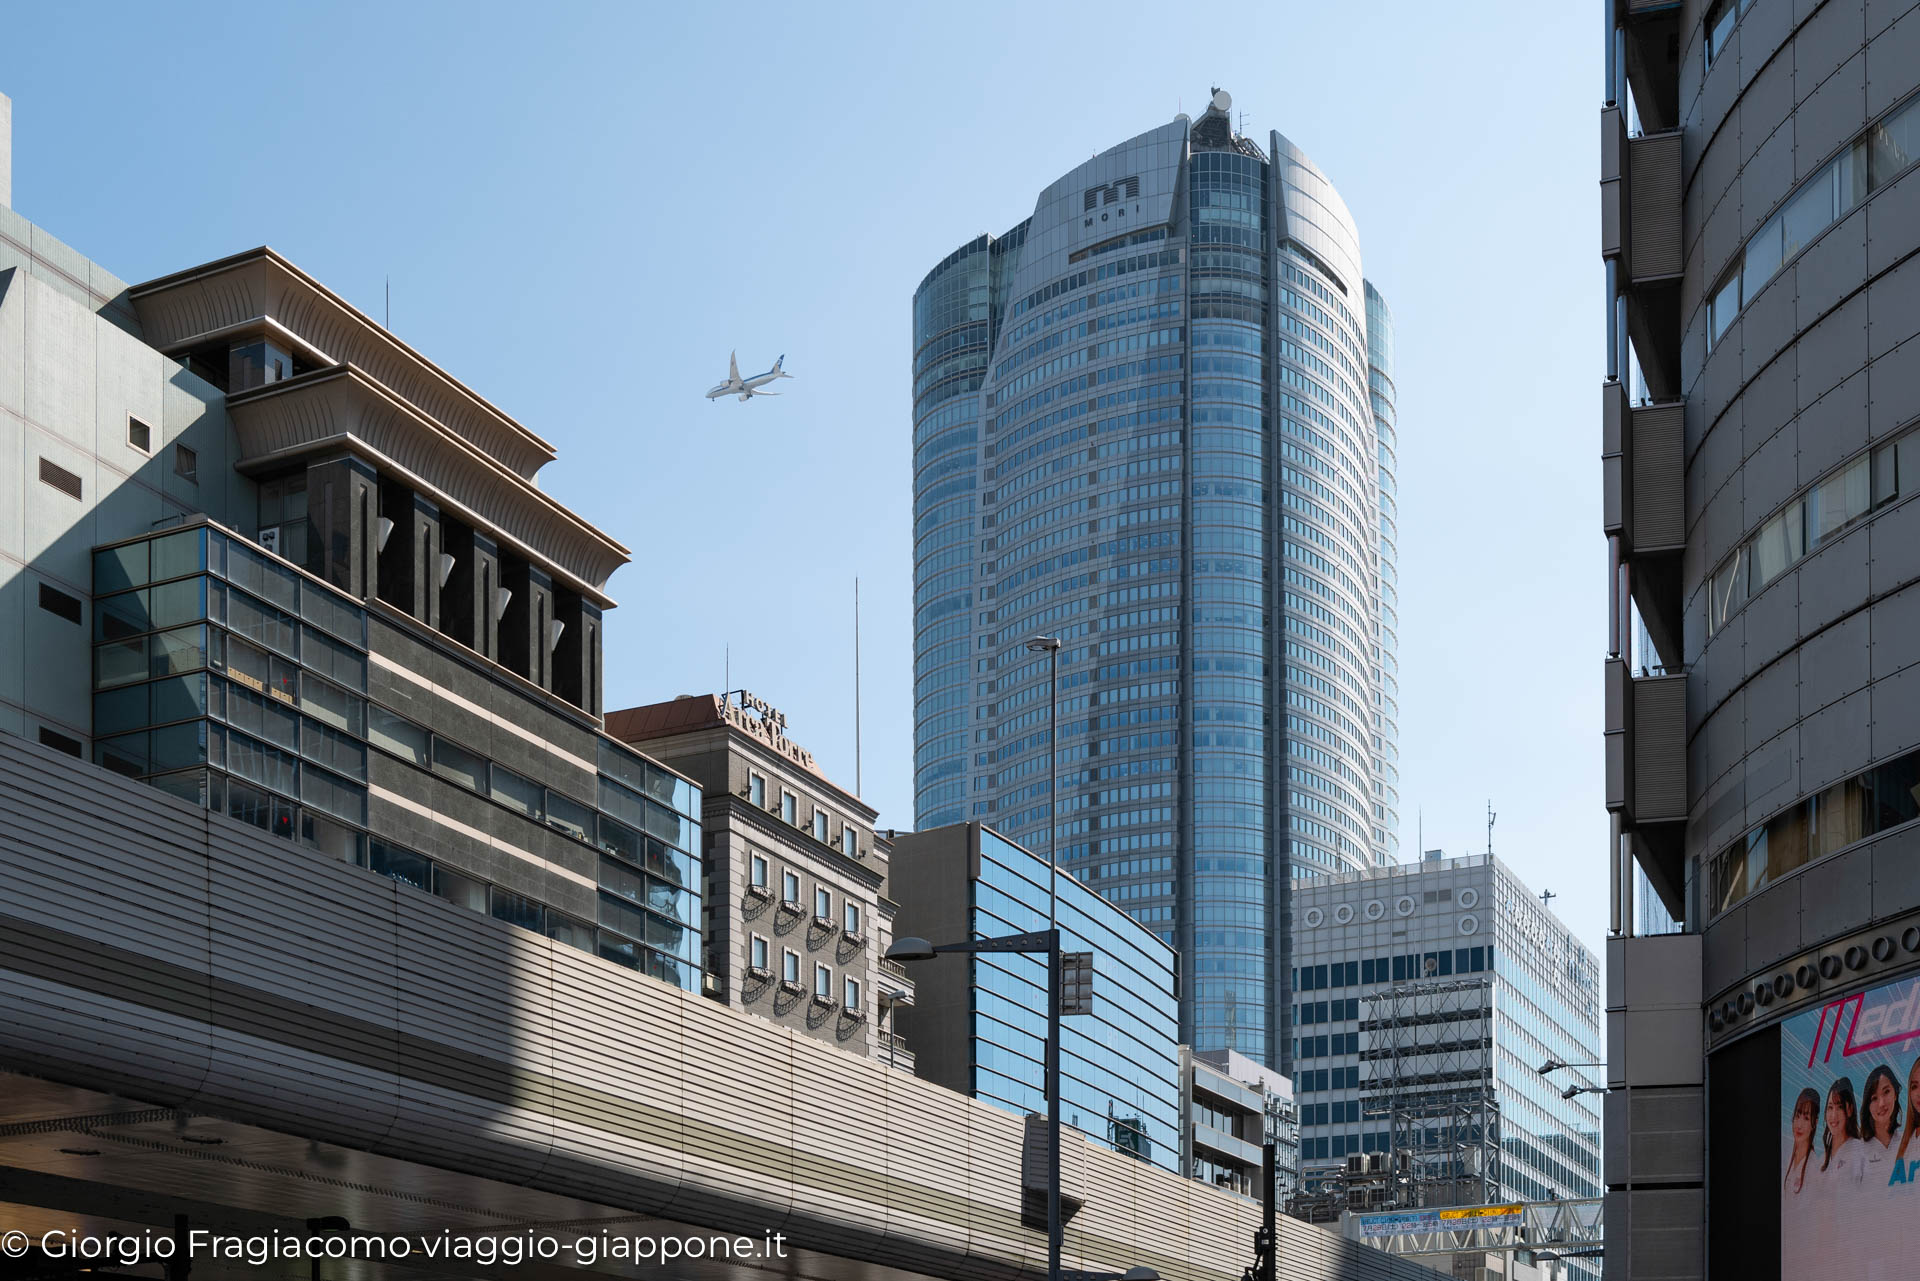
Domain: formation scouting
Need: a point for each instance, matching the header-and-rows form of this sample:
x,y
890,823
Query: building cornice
x,y
344,407
740,812
260,288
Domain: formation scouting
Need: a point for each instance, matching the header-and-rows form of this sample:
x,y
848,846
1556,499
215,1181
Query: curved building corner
x,y
1760,184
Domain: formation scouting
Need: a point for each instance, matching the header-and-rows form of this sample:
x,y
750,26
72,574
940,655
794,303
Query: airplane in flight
x,y
747,388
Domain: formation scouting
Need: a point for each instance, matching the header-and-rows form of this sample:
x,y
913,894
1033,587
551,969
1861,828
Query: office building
x,y
1445,978
268,558
1232,1108
1154,420
978,1023
1760,212
797,918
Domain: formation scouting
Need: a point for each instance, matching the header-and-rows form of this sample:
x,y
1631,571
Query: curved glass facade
x,y
1386,693
1148,421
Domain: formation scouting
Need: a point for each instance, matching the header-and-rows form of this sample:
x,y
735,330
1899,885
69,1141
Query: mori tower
x,y
1155,421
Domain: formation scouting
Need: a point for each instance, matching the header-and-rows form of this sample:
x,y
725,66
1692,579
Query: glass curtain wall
x,y
1231,832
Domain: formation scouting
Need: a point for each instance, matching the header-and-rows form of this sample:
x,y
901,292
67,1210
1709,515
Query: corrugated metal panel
x,y
1659,749
190,961
1653,206
1659,478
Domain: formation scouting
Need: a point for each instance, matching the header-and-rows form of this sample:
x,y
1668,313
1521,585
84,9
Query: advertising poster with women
x,y
1849,1151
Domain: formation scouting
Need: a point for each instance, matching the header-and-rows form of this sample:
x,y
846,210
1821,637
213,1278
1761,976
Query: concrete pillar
x,y
524,627
576,658
343,507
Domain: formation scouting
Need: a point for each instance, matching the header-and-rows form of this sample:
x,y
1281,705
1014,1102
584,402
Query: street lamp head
x,y
1577,1089
910,949
1043,644
1551,1065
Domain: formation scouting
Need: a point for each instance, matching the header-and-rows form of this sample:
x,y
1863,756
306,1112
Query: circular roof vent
x,y
1313,918
1404,905
1469,924
1343,914
1376,909
1468,897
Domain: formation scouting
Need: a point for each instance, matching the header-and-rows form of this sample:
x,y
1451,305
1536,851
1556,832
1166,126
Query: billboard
x,y
1849,1151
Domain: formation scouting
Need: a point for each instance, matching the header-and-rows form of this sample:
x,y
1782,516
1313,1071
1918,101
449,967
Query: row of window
x,y
1325,1012
1851,810
1397,969
759,876
761,959
1882,475
423,873
821,824
1876,156
1319,1080
1319,1047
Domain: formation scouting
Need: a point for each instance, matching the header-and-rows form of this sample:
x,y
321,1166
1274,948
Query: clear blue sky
x,y
583,207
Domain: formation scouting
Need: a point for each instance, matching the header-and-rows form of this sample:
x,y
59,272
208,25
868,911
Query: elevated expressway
x,y
204,1026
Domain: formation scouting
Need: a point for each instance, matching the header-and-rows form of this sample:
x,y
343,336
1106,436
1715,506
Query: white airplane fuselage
x,y
747,388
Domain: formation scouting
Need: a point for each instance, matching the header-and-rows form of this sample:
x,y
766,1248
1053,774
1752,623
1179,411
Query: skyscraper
x,y
1154,420
1760,183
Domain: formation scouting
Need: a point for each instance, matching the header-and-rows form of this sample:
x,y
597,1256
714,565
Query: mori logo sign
x,y
1111,193
1097,198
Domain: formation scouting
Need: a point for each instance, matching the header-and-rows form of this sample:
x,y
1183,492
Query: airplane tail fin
x,y
777,366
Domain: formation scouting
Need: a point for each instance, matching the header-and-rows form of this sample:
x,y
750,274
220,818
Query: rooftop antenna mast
x,y
856,685
1490,817
726,674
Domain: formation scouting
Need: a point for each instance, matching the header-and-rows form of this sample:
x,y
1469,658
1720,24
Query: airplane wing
x,y
733,366
755,391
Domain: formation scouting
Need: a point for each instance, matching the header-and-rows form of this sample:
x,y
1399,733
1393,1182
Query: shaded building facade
x,y
1760,183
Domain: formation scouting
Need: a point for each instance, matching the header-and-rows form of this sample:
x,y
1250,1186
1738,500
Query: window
x,y
789,965
1722,307
757,952
459,765
60,478
1721,20
790,808
521,794
1780,543
186,464
823,982
851,919
139,435
823,903
757,790
853,995
757,870
1888,473
401,737
820,826
849,841
790,887
55,601
1848,811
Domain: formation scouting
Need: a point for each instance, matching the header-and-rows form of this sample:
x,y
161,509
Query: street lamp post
x,y
1574,1091
1048,941
1554,1065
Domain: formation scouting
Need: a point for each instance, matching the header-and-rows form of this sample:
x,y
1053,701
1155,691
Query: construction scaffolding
x,y
1427,1055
